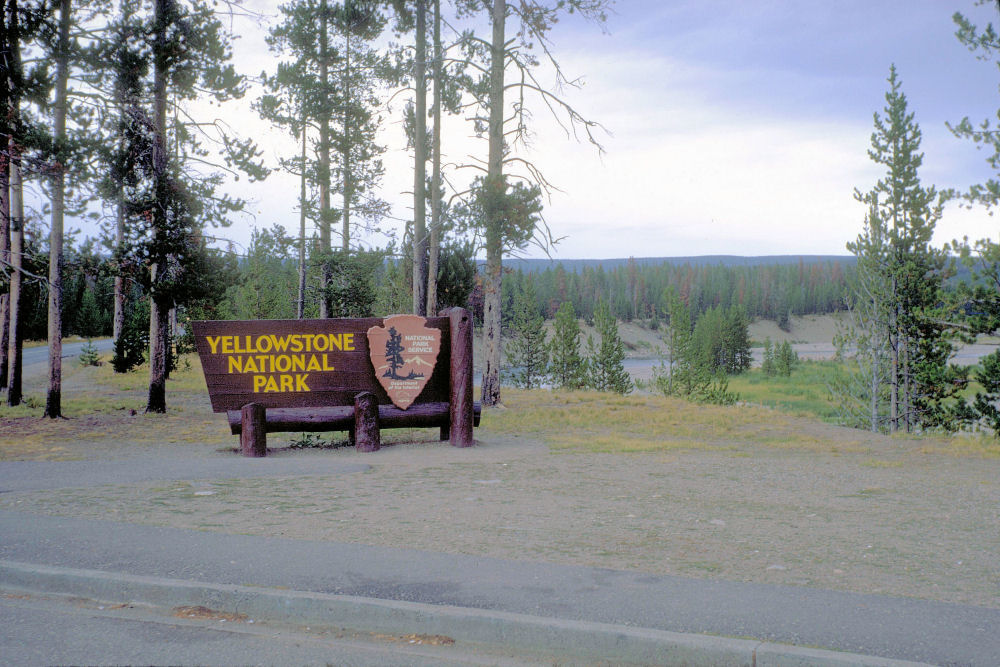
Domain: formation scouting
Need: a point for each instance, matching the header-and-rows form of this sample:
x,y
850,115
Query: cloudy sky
x,y
732,127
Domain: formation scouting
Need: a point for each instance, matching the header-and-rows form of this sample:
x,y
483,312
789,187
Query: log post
x,y
460,374
366,427
253,437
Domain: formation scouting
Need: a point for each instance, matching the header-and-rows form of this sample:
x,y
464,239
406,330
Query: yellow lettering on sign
x,y
281,363
277,383
268,344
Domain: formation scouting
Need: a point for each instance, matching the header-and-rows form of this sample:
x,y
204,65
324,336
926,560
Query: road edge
x,y
582,639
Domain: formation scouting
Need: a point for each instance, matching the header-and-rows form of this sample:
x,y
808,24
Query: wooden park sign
x,y
358,375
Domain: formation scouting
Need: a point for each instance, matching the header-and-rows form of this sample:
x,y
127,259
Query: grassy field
x,y
771,412
806,392
596,422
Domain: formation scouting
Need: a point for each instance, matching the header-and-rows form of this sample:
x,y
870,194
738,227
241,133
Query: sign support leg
x,y
253,436
367,437
460,371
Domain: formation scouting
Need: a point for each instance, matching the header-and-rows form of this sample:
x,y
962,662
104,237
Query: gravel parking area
x,y
870,517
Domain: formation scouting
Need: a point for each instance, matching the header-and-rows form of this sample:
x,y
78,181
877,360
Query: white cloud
x,y
706,156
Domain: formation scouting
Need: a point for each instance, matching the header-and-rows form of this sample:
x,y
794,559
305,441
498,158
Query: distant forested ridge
x,y
578,265
770,287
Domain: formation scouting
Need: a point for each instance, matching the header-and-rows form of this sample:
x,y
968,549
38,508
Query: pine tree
x,y
862,394
190,49
785,359
722,339
89,355
606,362
767,365
987,400
329,82
267,287
53,398
737,341
677,336
689,372
899,301
979,297
527,351
568,367
506,125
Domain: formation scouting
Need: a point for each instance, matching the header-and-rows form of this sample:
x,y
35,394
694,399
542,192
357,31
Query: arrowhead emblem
x,y
404,352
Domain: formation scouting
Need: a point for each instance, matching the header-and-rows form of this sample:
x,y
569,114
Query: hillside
x,y
578,265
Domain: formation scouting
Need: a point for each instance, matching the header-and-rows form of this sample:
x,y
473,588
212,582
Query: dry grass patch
x,y
595,422
643,423
978,445
103,410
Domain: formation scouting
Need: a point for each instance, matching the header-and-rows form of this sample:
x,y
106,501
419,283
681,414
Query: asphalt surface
x,y
54,631
872,625
35,359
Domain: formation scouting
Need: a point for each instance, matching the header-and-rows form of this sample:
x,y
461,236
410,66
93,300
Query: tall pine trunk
x,y
906,399
496,190
118,321
325,306
158,307
300,310
6,123
118,317
16,210
894,343
434,247
14,394
420,164
4,261
345,235
53,399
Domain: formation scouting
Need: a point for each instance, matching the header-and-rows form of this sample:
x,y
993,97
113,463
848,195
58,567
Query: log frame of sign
x,y
364,419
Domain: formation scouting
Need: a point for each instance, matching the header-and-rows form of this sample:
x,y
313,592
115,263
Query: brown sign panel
x,y
302,363
404,352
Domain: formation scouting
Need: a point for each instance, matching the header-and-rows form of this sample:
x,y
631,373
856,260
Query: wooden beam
x,y
341,418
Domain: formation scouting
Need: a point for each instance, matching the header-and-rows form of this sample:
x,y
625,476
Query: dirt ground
x,y
867,519
804,504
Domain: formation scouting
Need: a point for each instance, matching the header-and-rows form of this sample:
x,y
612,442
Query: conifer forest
x,y
108,126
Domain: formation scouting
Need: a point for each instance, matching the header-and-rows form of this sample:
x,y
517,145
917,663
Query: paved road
x,y
899,628
71,632
35,359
